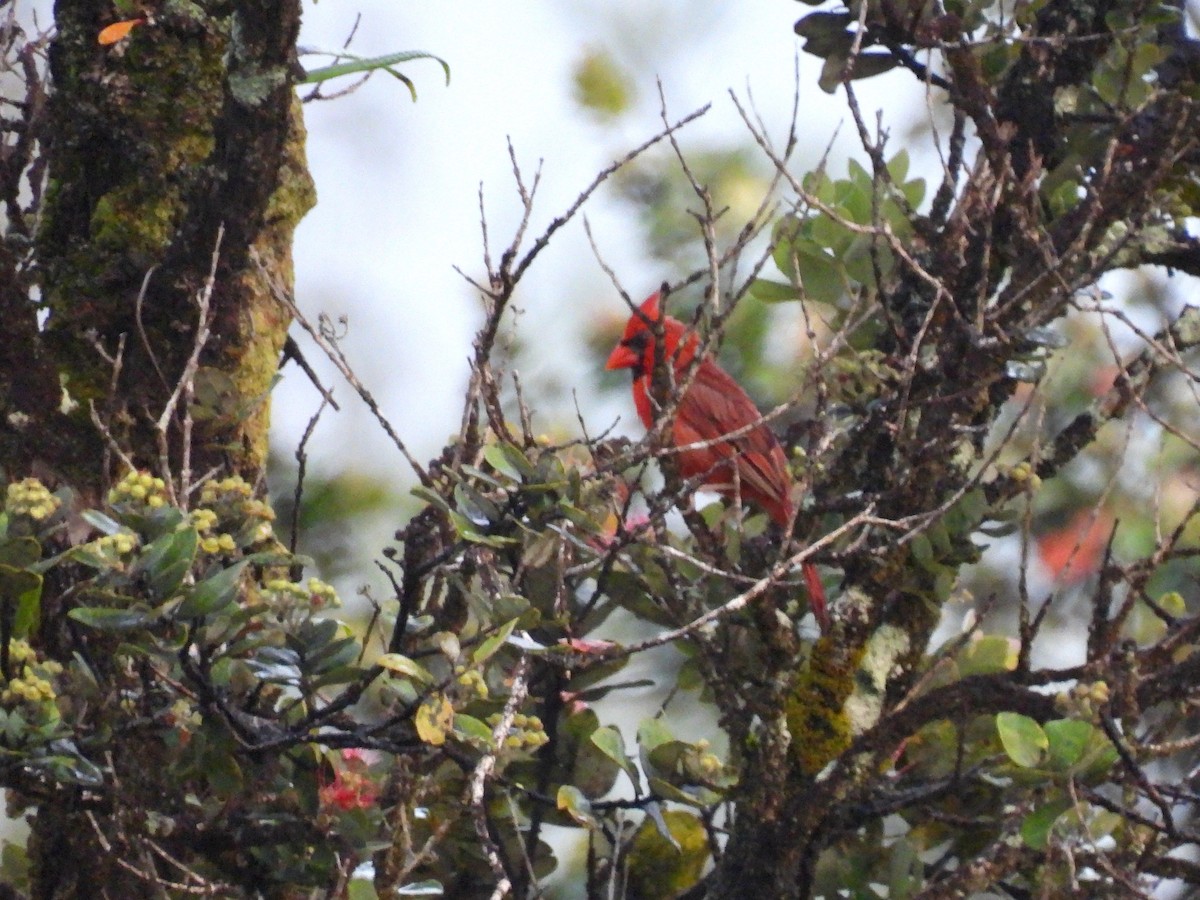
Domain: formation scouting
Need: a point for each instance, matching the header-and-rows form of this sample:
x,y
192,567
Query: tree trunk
x,y
176,180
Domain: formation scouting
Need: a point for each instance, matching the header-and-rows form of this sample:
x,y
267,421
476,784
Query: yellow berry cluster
x,y
29,498
218,543
286,597
1083,700
232,503
30,687
116,545
205,522
139,489
525,733
471,681
322,594
184,716
707,763
1023,473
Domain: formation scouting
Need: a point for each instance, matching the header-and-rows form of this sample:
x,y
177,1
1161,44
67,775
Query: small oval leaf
x,y
1022,737
212,594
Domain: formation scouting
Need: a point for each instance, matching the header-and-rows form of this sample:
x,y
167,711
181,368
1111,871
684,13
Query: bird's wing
x,y
715,406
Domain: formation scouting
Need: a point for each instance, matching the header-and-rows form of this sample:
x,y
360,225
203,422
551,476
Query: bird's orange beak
x,y
622,358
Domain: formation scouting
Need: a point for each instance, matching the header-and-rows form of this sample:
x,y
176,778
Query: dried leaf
x,y
117,31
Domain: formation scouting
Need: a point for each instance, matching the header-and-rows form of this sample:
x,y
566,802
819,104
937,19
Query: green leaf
x,y
1022,738
212,594
433,498
426,888
584,764
1036,828
335,655
914,193
651,733
1068,739
223,772
472,728
477,507
825,33
167,561
922,551
399,664
697,798
20,552
366,65
100,521
629,591
316,635
15,864
105,618
610,742
449,644
17,583
572,801
987,655
468,531
26,588
822,276
1099,758
601,86
906,870
494,642
668,853
499,457
769,291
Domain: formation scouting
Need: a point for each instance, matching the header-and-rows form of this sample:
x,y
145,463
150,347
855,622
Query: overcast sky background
x,y
398,185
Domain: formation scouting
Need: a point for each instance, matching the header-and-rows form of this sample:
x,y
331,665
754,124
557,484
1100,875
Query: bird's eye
x,y
638,342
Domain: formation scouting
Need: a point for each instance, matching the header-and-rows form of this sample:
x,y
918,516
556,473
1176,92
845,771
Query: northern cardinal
x,y
751,465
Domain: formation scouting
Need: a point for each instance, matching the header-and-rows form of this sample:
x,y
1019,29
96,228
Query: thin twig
x,y
335,356
185,387
483,770
301,468
742,600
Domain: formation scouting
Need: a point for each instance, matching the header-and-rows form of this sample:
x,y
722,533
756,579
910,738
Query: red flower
x,y
352,787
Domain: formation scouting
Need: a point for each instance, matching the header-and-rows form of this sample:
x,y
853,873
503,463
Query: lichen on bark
x,y
156,151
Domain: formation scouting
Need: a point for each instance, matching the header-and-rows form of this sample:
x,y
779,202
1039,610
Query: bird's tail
x,y
816,596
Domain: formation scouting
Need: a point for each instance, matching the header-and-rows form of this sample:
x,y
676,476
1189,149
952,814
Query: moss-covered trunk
x,y
176,180
185,131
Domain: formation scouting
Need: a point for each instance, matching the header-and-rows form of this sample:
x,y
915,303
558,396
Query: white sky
x,y
398,184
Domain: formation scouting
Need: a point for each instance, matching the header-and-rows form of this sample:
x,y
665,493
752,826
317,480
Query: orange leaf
x,y
117,31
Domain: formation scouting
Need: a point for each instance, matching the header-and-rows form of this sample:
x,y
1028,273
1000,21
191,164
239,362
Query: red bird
x,y
751,465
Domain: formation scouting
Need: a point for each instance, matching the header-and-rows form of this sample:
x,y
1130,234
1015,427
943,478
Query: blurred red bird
x,y
751,465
